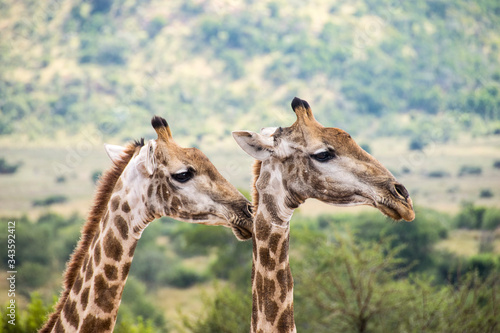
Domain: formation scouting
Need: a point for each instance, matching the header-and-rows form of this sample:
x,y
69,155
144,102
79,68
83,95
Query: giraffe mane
x,y
101,198
255,193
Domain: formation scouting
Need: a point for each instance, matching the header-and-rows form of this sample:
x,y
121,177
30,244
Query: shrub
x,y
438,174
417,144
470,170
470,217
496,164
483,263
6,168
111,52
182,277
486,193
50,200
491,219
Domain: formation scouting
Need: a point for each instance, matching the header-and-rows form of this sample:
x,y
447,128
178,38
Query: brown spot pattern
x,y
126,207
71,314
59,328
285,323
84,298
265,259
104,294
89,271
259,285
264,177
115,202
164,191
284,250
175,203
270,204
111,272
97,254
92,324
150,190
122,226
96,237
132,249
112,247
125,270
77,286
254,312
281,276
262,228
270,308
274,242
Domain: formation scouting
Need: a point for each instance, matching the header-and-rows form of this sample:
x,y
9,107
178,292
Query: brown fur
x,y
101,199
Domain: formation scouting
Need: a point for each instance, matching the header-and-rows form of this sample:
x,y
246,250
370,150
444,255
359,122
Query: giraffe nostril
x,y
401,191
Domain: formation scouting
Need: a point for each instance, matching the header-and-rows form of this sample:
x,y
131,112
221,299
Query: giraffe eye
x,y
324,156
183,177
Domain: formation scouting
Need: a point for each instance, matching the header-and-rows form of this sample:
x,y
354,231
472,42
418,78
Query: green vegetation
x,y
50,200
337,262
111,63
425,72
470,170
8,168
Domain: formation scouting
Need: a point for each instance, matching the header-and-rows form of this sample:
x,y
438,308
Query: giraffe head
x,y
183,184
313,161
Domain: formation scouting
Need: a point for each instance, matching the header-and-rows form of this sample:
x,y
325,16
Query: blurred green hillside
x,y
217,65
415,82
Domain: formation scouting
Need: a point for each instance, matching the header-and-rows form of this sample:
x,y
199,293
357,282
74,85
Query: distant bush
x,y
470,217
486,193
417,144
50,200
182,277
491,219
60,179
111,52
496,164
470,170
438,174
484,264
7,168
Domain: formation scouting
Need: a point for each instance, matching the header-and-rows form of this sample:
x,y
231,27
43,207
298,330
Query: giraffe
x,y
146,181
305,160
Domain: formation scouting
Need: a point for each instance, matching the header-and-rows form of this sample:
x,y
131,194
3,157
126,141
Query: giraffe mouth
x,y
401,210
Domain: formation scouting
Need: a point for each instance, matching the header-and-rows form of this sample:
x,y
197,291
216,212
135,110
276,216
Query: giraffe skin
x,y
305,160
146,181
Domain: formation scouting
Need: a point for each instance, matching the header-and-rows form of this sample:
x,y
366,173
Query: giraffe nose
x,y
400,190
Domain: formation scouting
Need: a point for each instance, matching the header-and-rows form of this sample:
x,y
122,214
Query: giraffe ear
x,y
150,162
114,152
256,145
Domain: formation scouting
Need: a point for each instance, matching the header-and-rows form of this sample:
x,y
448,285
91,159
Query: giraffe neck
x,y
93,302
272,282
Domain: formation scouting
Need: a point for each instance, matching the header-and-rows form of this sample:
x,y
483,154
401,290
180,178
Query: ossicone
x,y
161,127
302,109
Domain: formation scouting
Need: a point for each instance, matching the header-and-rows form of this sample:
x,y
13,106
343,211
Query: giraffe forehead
x,y
312,139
